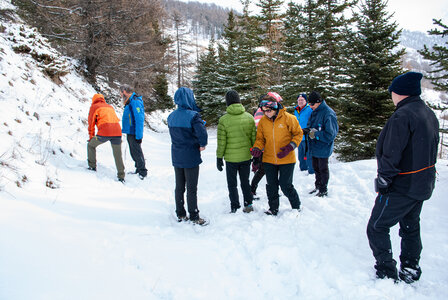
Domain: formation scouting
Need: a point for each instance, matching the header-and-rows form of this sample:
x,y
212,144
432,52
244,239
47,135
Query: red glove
x,y
256,152
285,151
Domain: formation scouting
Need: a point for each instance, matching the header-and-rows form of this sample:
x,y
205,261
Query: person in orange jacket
x,y
103,116
278,134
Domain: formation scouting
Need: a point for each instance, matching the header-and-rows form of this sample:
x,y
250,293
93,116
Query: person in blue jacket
x,y
322,130
188,138
302,112
132,124
406,153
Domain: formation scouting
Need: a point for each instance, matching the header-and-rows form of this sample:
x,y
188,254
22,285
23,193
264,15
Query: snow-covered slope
x,y
68,233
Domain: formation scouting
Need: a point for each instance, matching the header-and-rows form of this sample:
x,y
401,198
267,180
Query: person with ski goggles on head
x,y
278,134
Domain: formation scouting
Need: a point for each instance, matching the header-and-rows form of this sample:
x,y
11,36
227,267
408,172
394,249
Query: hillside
x,y
69,233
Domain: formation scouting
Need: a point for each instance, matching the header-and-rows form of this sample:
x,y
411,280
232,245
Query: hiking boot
x,y
271,212
141,176
387,271
182,219
322,194
313,191
91,169
248,209
409,273
199,221
121,180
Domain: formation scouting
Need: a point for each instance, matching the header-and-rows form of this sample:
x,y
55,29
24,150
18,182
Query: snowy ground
x,y
94,238
69,233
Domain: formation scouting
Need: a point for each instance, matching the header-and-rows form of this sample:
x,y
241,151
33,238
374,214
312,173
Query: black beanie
x,y
232,97
314,97
407,84
303,95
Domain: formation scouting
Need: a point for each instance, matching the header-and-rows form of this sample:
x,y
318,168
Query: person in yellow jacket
x,y
278,134
103,116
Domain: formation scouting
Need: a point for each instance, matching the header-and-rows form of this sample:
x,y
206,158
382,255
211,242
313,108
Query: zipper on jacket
x,y
273,137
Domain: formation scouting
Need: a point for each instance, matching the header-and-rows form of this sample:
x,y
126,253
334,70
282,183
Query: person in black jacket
x,y
406,153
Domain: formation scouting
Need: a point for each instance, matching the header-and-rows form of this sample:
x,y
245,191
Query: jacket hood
x,y
184,98
97,98
235,109
134,96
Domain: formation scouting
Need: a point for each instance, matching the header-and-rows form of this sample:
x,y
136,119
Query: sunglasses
x,y
267,110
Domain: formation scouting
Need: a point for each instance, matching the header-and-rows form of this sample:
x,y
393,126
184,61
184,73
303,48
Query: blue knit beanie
x,y
303,95
407,84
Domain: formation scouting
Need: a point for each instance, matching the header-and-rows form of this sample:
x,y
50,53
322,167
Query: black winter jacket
x,y
408,144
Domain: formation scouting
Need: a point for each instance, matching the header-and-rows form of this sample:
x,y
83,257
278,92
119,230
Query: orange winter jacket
x,y
104,117
273,135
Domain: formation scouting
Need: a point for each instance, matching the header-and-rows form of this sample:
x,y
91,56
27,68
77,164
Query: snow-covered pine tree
x,y
299,51
438,56
207,89
249,55
270,18
330,21
372,61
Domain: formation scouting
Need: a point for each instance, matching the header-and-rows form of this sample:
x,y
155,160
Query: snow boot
x,y
247,209
322,194
182,219
387,270
313,191
409,273
200,221
271,212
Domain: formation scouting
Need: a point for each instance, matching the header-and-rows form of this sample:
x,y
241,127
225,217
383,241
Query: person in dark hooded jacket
x,y
188,138
406,153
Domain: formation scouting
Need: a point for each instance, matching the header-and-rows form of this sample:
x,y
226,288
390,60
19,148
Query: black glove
x,y
381,185
306,130
219,164
256,161
311,133
138,141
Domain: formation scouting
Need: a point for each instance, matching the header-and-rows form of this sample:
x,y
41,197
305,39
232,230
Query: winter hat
x,y
276,96
232,97
97,97
407,84
303,95
314,98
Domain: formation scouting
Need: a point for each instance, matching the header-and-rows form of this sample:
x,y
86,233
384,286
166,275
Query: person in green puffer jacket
x,y
236,135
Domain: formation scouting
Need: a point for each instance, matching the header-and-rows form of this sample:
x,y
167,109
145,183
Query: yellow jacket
x,y
273,135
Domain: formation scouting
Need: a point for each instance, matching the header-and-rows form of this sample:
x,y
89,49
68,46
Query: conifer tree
x,y
249,55
207,89
330,38
439,57
439,75
299,55
372,62
271,27
228,58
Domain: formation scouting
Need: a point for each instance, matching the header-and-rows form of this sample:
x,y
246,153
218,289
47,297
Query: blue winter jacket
x,y
303,116
324,120
134,117
187,130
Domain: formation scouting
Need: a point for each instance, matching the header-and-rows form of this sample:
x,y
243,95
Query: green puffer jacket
x,y
236,134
